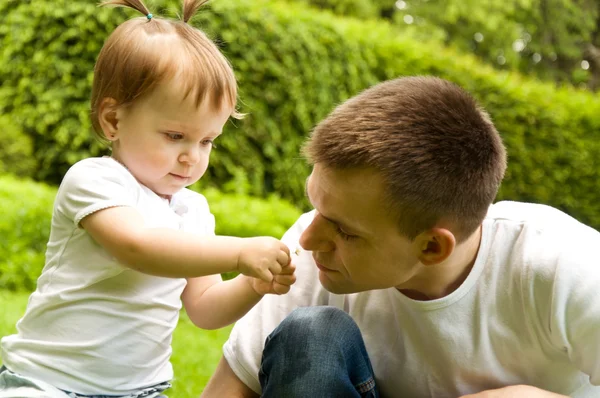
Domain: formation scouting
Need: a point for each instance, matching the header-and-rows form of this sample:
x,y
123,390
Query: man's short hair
x,y
441,158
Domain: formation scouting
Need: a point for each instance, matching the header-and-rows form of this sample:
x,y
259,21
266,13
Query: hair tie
x,y
149,16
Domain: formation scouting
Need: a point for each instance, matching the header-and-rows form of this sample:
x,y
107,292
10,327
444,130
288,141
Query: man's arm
x,y
520,391
224,383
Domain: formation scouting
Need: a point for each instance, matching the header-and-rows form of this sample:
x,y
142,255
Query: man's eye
x,y
344,235
174,136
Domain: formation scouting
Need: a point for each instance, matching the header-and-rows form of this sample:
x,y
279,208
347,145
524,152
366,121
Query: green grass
x,y
195,351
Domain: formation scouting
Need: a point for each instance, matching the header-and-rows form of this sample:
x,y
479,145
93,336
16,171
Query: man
x,y
411,284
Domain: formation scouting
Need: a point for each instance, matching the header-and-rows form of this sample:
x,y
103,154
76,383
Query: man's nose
x,y
318,237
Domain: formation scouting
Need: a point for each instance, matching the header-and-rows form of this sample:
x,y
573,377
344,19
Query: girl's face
x,y
165,141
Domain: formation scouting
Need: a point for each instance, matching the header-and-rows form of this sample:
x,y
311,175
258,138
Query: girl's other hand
x,y
280,284
263,258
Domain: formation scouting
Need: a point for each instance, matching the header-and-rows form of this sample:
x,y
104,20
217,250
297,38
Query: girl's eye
x,y
174,136
208,143
344,235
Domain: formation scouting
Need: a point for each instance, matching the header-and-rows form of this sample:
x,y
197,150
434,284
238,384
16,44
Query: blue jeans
x,y
316,352
14,385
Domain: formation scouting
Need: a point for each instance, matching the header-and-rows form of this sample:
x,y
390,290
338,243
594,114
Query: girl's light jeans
x,y
13,385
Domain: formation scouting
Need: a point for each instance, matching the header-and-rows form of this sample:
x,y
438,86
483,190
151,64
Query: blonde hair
x,y
146,51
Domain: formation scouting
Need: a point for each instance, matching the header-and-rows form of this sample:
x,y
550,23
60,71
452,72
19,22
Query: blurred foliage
x,y
355,8
26,209
245,216
47,53
294,65
16,149
548,39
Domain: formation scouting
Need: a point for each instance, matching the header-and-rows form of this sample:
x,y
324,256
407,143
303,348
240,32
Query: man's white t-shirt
x,y
94,325
528,313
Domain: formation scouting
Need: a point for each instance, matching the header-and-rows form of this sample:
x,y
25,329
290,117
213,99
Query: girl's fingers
x,y
288,270
283,258
285,279
281,289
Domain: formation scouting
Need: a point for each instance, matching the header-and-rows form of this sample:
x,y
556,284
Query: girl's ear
x,y
108,118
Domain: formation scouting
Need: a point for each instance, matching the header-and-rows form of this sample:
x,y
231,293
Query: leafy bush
x,y
16,149
294,65
26,210
245,216
355,8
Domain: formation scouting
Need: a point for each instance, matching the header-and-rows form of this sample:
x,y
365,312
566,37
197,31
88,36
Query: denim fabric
x,y
316,352
150,392
13,385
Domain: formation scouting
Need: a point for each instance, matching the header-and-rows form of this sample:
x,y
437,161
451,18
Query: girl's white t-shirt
x,y
528,313
94,326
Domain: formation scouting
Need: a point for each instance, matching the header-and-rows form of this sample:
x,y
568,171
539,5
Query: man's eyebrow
x,y
344,226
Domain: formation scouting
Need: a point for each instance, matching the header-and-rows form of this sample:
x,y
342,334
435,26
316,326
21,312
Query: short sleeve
x,y
92,185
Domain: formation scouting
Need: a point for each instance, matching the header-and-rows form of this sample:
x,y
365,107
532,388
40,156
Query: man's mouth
x,y
322,267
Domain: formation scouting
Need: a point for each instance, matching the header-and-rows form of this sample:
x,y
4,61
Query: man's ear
x,y
108,118
435,246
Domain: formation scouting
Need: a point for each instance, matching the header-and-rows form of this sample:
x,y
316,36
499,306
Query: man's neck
x,y
440,280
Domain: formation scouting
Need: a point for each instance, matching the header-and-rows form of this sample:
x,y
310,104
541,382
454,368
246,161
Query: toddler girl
x,y
129,243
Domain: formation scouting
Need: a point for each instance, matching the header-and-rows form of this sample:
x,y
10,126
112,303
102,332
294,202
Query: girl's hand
x,y
280,284
262,257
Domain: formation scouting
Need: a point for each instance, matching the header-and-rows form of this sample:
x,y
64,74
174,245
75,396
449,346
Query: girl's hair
x,y
146,51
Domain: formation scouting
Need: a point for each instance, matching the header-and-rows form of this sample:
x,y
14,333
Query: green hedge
x,y
294,65
16,149
355,8
26,210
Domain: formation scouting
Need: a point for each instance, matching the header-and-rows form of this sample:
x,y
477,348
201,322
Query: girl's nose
x,y
191,155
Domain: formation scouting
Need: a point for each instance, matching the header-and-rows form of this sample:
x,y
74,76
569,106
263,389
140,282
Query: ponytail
x,y
190,7
137,5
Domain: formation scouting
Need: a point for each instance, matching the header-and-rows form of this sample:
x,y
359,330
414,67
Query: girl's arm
x,y
212,304
177,254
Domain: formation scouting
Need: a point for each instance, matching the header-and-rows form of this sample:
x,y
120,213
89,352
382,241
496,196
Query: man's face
x,y
355,242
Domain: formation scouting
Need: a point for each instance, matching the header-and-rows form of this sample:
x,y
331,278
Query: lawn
x,y
195,351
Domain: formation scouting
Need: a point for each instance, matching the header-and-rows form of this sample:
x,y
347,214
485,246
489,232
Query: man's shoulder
x,y
541,240
536,216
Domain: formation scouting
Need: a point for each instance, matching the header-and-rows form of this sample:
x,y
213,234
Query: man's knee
x,y
321,320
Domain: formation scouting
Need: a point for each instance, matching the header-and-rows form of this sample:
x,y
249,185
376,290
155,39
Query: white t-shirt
x,y
528,313
94,326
